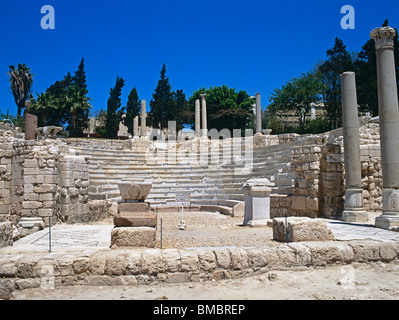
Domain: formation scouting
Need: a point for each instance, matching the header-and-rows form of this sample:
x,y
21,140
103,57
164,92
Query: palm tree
x,y
41,105
21,80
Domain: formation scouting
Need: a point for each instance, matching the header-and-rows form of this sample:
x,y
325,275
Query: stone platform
x,y
135,226
81,256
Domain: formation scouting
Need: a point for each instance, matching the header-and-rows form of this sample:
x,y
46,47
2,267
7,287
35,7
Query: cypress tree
x,y
83,105
339,61
133,107
162,104
114,115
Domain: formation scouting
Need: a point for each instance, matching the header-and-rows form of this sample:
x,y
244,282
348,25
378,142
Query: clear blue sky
x,y
252,45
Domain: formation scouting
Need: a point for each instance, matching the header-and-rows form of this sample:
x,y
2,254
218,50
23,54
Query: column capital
x,y
203,96
383,37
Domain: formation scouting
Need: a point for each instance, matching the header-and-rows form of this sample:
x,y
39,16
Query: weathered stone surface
x,y
207,260
324,253
365,251
133,207
301,229
133,237
134,261
153,263
6,234
115,264
134,191
135,219
189,260
223,258
6,288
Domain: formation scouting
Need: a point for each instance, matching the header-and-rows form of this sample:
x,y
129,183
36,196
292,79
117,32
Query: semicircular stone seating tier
x,y
209,184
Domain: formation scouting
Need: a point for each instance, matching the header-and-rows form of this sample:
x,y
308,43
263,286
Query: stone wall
x,y
5,180
332,181
305,162
370,157
280,205
130,267
74,186
38,178
99,144
41,180
320,175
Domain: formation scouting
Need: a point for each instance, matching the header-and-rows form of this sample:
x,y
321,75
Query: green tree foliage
x,y
41,106
65,103
179,109
114,113
133,107
226,108
80,107
21,80
339,61
162,106
296,95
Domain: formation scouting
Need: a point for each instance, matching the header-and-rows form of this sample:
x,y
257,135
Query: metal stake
x,y
286,229
49,235
161,233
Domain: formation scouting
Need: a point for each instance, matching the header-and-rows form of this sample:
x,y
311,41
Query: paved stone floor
x,y
98,237
350,231
65,238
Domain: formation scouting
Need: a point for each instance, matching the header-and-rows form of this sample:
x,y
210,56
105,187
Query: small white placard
x,y
183,198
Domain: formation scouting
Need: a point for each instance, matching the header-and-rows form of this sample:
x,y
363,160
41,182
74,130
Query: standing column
x,y
30,126
136,126
354,210
258,114
197,118
204,131
143,118
389,126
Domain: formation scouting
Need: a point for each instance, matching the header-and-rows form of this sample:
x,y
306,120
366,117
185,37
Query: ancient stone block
x,y
6,288
207,260
5,234
133,207
135,219
134,261
133,237
301,229
189,260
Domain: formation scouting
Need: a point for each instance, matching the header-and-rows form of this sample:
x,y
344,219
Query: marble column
x,y
204,131
258,114
143,119
354,210
389,125
197,118
136,132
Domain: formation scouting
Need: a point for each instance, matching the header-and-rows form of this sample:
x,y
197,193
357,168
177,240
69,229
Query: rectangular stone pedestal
x,y
387,222
134,226
133,207
133,237
355,216
257,202
135,219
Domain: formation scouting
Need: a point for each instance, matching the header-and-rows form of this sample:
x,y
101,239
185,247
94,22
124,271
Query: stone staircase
x,y
209,184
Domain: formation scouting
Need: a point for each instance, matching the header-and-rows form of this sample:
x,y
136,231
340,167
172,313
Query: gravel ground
x,y
210,229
